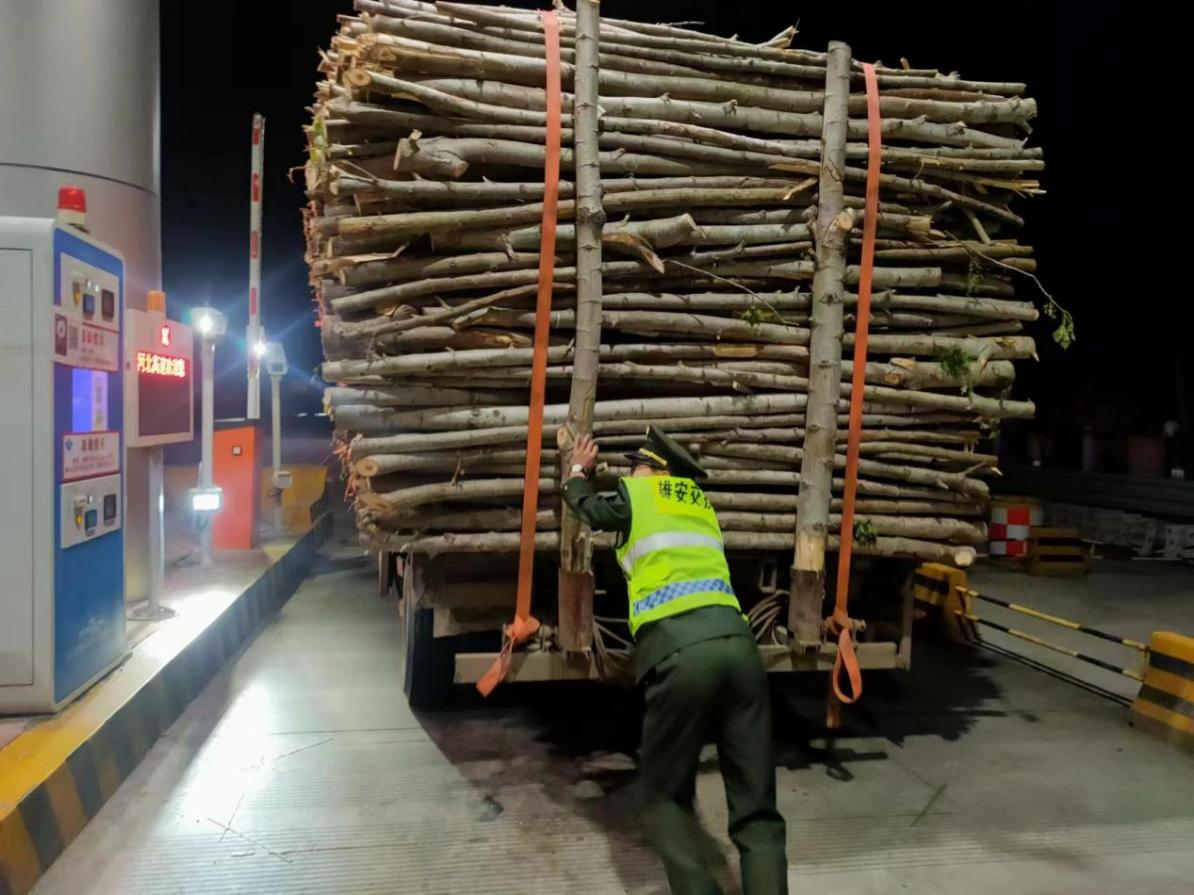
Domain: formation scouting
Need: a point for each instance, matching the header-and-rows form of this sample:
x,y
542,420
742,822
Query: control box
x,y
236,469
62,425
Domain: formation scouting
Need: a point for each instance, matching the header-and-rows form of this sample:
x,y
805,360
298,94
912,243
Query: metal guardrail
x,y
1167,498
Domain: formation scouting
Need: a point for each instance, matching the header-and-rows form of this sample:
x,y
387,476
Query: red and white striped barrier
x,y
1012,519
254,336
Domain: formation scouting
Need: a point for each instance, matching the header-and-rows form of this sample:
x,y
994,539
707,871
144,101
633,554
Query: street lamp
x,y
207,499
274,358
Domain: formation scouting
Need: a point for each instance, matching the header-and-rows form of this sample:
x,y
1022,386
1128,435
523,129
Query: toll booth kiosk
x,y
61,428
159,410
160,386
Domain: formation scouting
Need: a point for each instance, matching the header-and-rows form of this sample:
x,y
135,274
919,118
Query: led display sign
x,y
153,364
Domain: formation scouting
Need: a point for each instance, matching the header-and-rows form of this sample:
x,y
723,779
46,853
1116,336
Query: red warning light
x,y
72,198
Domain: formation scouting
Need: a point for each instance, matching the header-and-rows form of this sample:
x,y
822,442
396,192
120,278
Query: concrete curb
x,y
53,812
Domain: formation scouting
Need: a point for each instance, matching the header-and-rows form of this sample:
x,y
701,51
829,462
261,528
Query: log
x,y
393,226
926,527
446,492
632,408
452,157
468,521
754,58
777,503
447,441
364,185
545,542
575,604
833,225
411,54
444,33
414,396
871,468
507,103
385,269
659,232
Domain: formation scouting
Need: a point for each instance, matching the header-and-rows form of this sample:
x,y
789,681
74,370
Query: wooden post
x,y
576,549
825,360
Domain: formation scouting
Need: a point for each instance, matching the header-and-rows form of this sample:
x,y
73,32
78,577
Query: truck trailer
x,y
805,268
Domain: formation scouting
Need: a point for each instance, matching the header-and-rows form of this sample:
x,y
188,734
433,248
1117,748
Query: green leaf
x,y
954,362
974,276
1064,335
759,313
864,533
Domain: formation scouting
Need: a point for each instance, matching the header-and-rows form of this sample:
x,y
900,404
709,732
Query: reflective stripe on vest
x,y
673,556
663,541
670,592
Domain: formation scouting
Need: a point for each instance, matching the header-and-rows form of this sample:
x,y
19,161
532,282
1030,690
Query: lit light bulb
x,y
259,349
205,325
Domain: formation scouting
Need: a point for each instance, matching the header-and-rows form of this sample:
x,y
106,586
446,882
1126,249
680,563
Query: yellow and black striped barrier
x,y
1056,647
946,588
1059,621
1165,705
934,582
1049,618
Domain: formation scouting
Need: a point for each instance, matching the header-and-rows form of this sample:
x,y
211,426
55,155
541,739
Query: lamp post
x,y
276,366
207,499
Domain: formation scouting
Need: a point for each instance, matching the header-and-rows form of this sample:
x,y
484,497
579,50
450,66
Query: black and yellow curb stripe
x,y
932,583
1165,704
53,813
945,588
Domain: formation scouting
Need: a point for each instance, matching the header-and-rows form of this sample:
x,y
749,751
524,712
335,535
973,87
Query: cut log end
x,y
375,503
366,468
357,77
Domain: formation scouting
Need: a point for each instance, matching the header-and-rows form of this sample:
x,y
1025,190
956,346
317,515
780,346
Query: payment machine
x,y
61,428
158,410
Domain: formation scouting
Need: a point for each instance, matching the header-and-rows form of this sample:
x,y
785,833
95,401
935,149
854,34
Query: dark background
x,y
223,60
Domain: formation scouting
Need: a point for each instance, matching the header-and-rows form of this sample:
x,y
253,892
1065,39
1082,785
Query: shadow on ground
x,y
576,745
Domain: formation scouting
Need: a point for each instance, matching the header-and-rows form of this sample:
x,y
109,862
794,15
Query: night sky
x,y
224,60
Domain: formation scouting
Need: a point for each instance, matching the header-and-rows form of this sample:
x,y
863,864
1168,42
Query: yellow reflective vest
x,y
674,557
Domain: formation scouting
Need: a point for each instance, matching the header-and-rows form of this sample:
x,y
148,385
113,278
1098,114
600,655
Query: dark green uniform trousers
x,y
713,690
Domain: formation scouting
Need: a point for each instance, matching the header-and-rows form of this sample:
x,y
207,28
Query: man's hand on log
x,y
584,455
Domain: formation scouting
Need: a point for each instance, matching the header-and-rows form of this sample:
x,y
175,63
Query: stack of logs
x,y
425,182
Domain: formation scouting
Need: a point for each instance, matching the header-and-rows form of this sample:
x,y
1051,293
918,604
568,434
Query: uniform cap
x,y
663,452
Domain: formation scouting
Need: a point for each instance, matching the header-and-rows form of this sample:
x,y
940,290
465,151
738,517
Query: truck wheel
x,y
430,661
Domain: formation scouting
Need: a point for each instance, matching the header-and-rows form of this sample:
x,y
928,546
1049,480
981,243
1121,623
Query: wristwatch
x,y
577,469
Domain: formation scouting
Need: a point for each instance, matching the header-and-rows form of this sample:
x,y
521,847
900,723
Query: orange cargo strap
x,y
840,621
525,625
